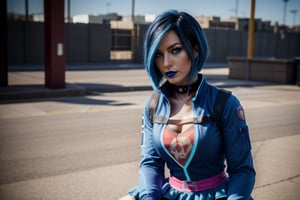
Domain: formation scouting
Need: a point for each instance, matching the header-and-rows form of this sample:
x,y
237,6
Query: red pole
x,y
54,44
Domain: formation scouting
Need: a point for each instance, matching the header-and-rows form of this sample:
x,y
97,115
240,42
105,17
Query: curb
x,y
41,92
16,93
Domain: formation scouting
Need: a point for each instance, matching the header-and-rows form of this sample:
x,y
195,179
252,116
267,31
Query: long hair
x,y
189,32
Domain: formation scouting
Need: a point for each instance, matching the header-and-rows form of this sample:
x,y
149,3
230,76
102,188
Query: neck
x,y
187,88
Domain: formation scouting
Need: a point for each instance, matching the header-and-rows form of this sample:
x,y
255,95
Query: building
x,y
241,24
96,19
213,22
233,23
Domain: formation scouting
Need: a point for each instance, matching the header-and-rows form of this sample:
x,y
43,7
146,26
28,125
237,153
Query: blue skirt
x,y
171,193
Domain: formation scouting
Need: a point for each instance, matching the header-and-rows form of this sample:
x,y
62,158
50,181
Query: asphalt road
x,y
88,147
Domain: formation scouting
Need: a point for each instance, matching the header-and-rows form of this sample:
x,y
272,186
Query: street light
x,y
133,32
132,10
251,30
250,38
108,4
284,10
236,8
294,12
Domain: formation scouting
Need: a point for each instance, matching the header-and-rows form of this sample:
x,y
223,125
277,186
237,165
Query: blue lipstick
x,y
171,74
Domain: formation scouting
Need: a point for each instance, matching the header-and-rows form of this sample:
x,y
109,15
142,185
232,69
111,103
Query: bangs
x,y
154,74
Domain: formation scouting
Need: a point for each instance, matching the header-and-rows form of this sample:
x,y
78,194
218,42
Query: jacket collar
x,y
201,92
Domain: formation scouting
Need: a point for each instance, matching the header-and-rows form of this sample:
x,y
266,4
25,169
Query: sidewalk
x,y
87,79
277,165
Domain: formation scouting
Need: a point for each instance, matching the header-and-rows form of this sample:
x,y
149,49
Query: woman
x,y
193,149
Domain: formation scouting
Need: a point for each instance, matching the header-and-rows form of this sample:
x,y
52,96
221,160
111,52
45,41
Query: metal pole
x,y
294,12
54,44
3,44
133,38
132,10
250,39
251,30
236,8
26,33
69,11
284,11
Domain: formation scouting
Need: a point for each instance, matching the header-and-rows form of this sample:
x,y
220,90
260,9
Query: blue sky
x,y
265,9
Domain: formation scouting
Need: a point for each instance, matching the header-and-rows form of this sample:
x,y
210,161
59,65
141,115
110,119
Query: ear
x,y
196,51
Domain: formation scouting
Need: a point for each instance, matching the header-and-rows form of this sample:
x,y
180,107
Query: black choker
x,y
187,88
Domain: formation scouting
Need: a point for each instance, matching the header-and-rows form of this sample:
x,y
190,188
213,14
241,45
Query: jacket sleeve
x,y
151,172
237,151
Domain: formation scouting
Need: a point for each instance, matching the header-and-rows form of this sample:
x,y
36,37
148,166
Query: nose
x,y
167,60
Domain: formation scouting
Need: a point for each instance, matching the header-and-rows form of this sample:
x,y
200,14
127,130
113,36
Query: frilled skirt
x,y
170,193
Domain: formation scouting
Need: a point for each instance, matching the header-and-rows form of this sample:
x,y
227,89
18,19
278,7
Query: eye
x,y
158,54
176,50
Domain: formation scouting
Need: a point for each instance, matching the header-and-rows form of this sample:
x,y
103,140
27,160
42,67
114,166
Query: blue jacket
x,y
209,151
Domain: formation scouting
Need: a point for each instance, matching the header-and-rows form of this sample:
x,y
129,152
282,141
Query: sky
x,y
268,10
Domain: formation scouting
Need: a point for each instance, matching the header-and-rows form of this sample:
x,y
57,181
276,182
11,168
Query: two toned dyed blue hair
x,y
189,32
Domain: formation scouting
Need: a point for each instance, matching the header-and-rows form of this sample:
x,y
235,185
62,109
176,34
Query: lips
x,y
171,74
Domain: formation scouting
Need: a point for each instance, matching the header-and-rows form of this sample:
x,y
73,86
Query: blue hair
x,y
189,32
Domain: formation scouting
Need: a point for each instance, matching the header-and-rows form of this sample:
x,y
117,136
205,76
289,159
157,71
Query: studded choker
x,y
187,88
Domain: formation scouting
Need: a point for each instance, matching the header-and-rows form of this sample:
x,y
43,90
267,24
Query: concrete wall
x,y
88,42
274,70
93,43
16,42
84,43
140,35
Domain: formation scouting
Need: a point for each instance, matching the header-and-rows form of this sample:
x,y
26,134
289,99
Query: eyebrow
x,y
173,45
170,47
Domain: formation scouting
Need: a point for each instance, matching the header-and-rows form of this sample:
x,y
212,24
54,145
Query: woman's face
x,y
172,60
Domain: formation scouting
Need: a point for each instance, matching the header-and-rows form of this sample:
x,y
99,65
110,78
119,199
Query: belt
x,y
196,186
